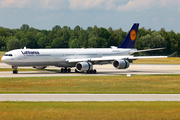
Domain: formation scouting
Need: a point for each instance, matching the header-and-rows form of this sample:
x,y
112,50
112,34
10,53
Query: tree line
x,y
92,37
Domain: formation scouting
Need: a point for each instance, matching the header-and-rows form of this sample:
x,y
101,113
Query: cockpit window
x,y
8,55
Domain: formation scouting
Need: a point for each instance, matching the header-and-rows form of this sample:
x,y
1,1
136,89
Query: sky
x,y
45,14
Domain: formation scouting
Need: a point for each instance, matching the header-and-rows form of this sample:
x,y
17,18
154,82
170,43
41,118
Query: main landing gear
x,y
15,71
65,70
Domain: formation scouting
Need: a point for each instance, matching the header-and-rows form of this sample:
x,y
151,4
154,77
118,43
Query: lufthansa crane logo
x,y
133,35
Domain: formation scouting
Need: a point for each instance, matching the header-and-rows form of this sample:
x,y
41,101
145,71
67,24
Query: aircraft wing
x,y
112,58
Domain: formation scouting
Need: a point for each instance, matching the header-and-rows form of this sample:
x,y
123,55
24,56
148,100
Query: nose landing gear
x,y
15,71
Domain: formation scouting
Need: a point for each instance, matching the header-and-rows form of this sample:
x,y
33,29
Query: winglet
x,y
130,39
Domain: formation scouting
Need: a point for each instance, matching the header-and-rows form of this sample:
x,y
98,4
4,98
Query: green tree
x,y
3,41
31,36
74,43
39,35
172,39
51,36
146,42
59,33
83,39
77,28
4,32
164,34
178,38
56,28
57,43
13,43
24,42
43,42
92,42
89,29
158,40
24,27
118,36
65,38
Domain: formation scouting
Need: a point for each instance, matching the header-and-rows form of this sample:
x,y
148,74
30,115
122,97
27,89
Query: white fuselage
x,y
57,57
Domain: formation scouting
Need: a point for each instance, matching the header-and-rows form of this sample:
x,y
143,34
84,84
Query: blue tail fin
x,y
130,39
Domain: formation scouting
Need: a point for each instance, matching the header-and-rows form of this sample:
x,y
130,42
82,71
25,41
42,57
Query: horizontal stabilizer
x,y
136,51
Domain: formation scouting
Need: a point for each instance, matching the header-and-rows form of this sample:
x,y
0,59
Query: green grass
x,y
137,84
90,110
172,60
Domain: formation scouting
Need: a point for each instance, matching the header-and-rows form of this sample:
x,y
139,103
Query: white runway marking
x,y
89,97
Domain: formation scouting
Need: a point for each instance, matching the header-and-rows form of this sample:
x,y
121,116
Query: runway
x,y
89,97
102,70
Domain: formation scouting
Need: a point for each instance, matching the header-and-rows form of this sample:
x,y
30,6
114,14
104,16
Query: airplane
x,y
82,59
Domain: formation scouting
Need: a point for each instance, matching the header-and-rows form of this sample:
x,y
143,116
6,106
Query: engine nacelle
x,y
39,67
84,66
121,64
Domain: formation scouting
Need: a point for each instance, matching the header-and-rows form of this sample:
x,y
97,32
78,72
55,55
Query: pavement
x,y
102,70
89,97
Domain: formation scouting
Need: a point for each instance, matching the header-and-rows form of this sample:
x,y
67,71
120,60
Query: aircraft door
x,y
19,56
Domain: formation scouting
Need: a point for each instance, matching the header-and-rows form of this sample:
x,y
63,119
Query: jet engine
x,y
84,66
39,67
121,64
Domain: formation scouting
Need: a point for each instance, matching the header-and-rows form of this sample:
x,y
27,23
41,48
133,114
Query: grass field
x,y
173,60
90,110
137,84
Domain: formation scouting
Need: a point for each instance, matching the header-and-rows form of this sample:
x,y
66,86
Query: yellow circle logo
x,y
133,35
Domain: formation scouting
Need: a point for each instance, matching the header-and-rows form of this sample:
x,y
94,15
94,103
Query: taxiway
x,y
134,69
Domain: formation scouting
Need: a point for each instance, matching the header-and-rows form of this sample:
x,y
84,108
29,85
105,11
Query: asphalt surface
x,y
102,70
89,97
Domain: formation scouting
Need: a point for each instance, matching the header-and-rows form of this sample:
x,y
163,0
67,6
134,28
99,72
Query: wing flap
x,y
111,58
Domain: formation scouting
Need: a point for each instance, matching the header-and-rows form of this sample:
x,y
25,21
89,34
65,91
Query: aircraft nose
x,y
3,58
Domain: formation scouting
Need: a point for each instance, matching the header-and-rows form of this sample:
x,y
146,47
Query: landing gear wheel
x,y
62,70
15,71
65,70
69,70
91,71
94,71
76,71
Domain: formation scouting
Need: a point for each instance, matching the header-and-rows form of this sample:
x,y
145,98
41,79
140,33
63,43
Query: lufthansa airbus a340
x,y
82,59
